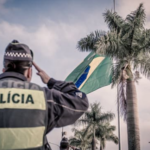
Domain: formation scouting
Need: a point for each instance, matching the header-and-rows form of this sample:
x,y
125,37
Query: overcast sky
x,y
51,28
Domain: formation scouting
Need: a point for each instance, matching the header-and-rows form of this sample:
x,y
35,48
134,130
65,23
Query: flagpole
x,y
62,133
118,103
114,5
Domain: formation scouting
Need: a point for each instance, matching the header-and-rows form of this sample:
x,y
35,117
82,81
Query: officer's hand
x,y
45,78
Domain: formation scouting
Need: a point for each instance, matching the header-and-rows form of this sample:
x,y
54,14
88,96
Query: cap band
x,y
12,54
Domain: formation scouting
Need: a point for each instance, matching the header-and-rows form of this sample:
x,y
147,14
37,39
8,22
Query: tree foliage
x,y
81,139
97,125
105,133
127,43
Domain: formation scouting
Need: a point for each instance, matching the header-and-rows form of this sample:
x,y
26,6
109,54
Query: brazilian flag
x,y
93,73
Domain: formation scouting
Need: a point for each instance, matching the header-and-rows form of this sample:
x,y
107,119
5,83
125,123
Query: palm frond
x,y
74,130
136,21
81,138
142,63
114,21
105,132
112,45
86,130
82,121
95,107
137,76
78,133
88,43
110,128
105,117
121,96
113,138
117,70
74,142
141,42
90,136
137,17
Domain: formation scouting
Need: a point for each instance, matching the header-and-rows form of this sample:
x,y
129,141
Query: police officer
x,y
27,111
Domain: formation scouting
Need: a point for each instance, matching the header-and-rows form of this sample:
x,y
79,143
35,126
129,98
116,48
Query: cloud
x,y
3,10
46,39
42,40
124,7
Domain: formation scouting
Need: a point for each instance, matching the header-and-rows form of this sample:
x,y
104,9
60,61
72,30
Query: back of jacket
x,y
23,117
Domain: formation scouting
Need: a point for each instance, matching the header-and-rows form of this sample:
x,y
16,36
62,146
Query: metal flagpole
x,y
62,133
118,119
118,103
114,5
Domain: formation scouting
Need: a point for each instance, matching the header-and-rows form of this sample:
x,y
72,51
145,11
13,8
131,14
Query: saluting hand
x,y
45,78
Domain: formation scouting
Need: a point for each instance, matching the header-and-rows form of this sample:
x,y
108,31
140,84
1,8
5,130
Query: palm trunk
x,y
101,147
93,144
93,140
132,117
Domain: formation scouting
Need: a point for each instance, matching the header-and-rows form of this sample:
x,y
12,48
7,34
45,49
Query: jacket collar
x,y
13,75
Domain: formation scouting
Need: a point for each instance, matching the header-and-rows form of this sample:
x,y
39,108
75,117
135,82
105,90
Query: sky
x,y
52,28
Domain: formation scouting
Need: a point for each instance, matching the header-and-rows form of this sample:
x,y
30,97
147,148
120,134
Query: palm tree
x,y
81,139
93,118
105,133
128,44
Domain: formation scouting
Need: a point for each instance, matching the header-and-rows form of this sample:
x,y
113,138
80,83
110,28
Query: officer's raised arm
x,y
45,78
66,101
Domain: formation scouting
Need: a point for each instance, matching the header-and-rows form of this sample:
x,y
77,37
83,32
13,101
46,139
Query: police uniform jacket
x,y
28,112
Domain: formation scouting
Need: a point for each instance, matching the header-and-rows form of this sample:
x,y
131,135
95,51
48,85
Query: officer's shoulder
x,y
80,94
34,86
